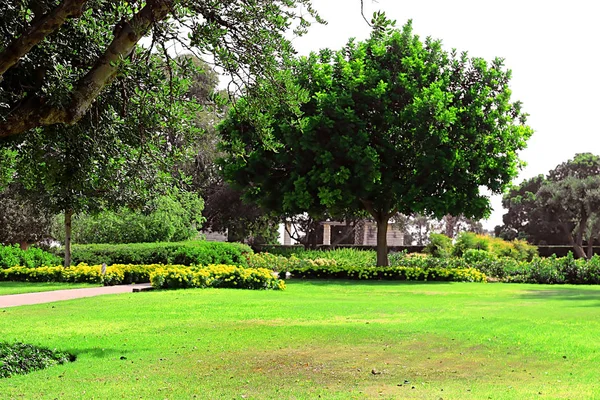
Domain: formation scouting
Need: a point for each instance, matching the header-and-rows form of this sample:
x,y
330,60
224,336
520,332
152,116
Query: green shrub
x,y
21,358
186,253
317,270
270,261
518,249
161,276
439,246
215,276
172,218
32,257
470,240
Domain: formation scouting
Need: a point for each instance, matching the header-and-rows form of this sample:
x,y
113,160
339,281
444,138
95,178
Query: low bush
x,y
439,246
161,276
32,257
21,358
215,276
185,253
519,250
343,256
401,273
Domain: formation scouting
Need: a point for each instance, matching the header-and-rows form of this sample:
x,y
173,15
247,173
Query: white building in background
x,y
365,234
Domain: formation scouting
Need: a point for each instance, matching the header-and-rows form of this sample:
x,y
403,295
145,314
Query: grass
x,y
336,340
28,287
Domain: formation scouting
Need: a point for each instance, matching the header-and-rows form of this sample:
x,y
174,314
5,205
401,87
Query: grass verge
x,y
336,339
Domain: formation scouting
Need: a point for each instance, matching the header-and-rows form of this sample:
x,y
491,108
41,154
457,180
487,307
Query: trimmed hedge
x,y
161,276
324,270
22,358
32,257
215,276
184,253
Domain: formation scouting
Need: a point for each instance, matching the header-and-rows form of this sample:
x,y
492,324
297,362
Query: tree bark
x,y
576,247
40,29
35,112
590,247
68,220
382,249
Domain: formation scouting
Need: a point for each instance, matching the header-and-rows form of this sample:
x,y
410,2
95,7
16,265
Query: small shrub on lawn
x,y
32,257
21,358
186,253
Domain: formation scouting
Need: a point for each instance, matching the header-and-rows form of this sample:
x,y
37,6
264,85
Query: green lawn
x,y
336,340
27,287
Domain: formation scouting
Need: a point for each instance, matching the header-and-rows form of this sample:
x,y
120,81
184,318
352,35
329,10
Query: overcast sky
x,y
551,48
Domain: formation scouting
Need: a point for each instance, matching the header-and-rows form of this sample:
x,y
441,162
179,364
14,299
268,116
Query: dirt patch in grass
x,y
408,369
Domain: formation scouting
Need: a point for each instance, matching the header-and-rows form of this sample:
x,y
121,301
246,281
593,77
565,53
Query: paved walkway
x,y
13,300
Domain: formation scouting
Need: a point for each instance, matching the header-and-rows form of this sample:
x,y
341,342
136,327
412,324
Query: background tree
x,y
392,124
56,58
524,218
122,153
23,219
561,208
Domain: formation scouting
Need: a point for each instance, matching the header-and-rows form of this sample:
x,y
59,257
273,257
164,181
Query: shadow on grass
x,y
568,293
98,352
357,282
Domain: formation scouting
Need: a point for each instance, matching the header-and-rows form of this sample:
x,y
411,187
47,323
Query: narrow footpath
x,y
13,300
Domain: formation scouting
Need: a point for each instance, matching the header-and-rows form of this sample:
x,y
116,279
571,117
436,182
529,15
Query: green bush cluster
x,y
82,273
185,253
161,276
439,246
517,249
401,273
172,218
343,256
22,358
32,257
215,276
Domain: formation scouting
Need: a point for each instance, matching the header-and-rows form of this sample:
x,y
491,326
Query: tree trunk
x,y
382,249
590,247
68,219
24,245
579,253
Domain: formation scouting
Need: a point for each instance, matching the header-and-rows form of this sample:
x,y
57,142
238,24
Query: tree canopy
x,y
391,124
561,208
56,57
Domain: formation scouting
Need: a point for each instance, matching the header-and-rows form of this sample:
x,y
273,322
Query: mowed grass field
x,y
26,287
327,339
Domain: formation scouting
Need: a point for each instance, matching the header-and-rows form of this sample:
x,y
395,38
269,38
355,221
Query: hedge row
x,y
184,253
32,257
328,271
161,276
216,276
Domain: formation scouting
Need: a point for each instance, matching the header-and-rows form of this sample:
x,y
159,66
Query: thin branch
x,y
41,28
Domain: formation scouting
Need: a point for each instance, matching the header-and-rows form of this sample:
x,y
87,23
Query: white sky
x,y
551,48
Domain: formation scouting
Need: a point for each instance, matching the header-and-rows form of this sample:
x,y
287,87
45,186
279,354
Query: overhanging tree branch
x,y
34,112
43,27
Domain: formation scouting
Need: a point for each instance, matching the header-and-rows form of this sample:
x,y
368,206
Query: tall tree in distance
x,y
392,124
560,208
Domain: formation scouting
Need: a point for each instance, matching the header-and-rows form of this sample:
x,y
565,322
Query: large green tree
x,y
56,57
392,124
